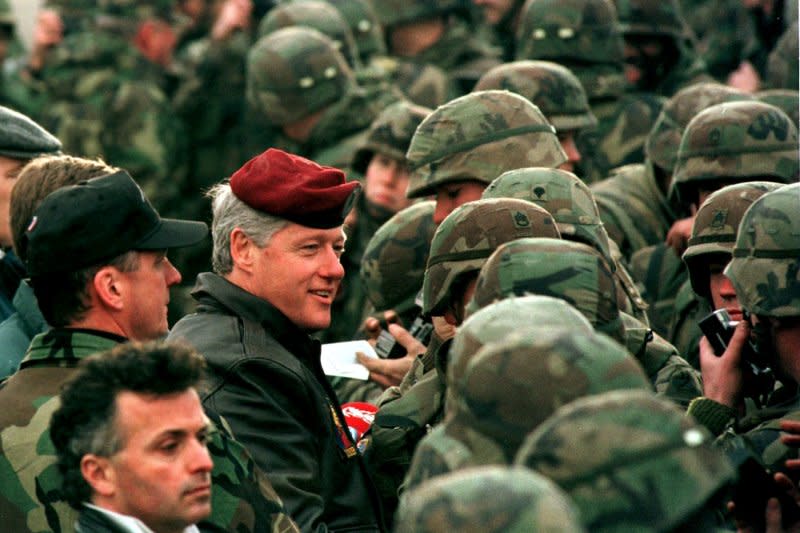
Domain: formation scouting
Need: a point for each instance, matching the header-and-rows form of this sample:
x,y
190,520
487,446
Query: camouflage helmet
x,y
563,195
493,395
734,142
7,15
567,31
554,89
765,269
629,460
394,12
652,17
489,499
314,14
478,137
571,271
394,260
469,235
135,10
784,99
390,134
365,26
525,315
715,227
664,139
295,72
782,63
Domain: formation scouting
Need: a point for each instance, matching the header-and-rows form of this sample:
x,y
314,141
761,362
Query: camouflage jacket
x,y
672,377
633,209
684,333
30,484
660,273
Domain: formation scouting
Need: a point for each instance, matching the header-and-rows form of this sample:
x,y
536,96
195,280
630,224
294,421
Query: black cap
x,y
22,138
82,225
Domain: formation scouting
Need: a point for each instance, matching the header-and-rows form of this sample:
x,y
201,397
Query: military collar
x,y
65,345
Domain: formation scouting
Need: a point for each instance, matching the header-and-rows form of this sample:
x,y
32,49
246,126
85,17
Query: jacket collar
x,y
68,344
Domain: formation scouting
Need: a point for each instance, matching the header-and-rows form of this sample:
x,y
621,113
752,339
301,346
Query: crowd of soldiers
x,y
564,205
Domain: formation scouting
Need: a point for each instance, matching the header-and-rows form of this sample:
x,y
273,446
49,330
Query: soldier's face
x,y
567,140
299,272
386,183
723,294
452,195
9,169
162,474
494,10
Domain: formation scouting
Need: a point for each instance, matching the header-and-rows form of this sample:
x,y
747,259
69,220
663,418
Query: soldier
x,y
555,91
570,202
21,140
659,47
579,275
782,63
709,251
465,144
585,36
460,246
491,500
299,83
503,16
764,272
489,409
99,285
434,32
630,461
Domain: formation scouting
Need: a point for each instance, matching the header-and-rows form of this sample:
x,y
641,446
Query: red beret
x,y
294,188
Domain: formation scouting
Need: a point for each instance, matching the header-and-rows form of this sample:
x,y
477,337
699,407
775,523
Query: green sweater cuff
x,y
713,415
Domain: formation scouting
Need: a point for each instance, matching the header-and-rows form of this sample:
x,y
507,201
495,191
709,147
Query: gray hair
x,y
229,213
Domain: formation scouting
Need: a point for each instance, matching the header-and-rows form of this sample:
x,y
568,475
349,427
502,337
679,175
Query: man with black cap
x,y
96,255
277,232
21,139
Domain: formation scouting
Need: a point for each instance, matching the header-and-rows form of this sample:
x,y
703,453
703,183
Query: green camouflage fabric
x,y
630,462
425,85
294,72
785,100
478,137
7,14
488,500
390,134
645,17
765,268
782,62
633,208
393,264
568,270
492,401
30,483
469,235
732,142
103,99
315,14
360,15
714,232
665,137
393,12
660,274
551,87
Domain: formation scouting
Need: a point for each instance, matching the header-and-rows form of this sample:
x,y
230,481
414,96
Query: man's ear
x,y
109,287
243,250
99,474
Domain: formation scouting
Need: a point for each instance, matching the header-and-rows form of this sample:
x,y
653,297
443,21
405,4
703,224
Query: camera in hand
x,y
387,346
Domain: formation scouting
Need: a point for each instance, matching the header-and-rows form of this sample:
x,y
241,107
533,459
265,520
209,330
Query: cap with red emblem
x,y
297,189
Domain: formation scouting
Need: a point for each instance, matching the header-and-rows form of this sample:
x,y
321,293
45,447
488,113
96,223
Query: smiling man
x,y
277,232
131,439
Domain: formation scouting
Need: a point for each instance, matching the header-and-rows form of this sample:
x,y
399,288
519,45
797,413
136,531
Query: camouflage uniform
x,y
785,100
782,63
580,275
764,270
478,137
295,72
571,203
460,245
30,483
585,36
490,410
713,234
630,462
490,500
457,52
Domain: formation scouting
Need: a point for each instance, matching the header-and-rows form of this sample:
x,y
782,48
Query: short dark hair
x,y
85,421
63,297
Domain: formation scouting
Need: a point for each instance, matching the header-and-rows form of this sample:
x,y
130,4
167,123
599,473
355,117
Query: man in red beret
x,y
277,232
